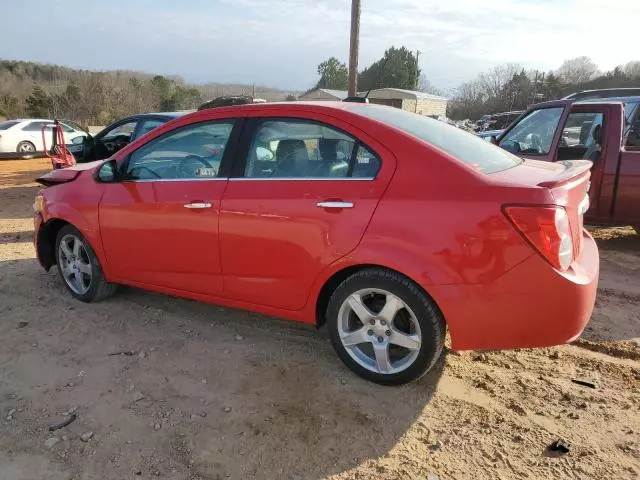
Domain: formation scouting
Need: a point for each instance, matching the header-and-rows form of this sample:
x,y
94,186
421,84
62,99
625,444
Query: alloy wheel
x,y
26,147
379,331
75,264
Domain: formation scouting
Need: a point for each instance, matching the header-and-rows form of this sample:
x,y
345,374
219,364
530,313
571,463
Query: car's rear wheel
x,y
384,327
80,268
26,148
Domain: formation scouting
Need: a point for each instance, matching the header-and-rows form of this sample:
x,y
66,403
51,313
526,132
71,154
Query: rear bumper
x,y
532,305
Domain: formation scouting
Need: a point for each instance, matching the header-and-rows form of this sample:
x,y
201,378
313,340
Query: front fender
x,y
77,203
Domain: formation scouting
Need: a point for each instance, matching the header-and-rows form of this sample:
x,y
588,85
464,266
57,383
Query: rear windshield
x,y
464,146
8,124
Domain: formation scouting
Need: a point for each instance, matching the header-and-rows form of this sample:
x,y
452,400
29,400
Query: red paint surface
x,y
265,245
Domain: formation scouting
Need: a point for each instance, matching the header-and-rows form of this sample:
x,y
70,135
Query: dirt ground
x,y
202,392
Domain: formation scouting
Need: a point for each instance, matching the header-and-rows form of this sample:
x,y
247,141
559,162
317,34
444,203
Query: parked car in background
x,y
117,135
604,93
606,132
230,100
24,136
344,214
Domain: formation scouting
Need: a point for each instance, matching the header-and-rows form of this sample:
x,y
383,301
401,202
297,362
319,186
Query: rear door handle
x,y
334,204
198,205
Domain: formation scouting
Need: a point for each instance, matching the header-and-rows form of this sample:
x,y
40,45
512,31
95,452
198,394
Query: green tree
x,y
9,106
291,98
39,104
333,74
398,68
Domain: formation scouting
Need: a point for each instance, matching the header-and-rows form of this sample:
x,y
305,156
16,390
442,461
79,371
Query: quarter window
x,y
305,149
191,153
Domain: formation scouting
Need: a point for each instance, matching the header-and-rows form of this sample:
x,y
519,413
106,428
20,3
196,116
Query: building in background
x,y
409,100
324,94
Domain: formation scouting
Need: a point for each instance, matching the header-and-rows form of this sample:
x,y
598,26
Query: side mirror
x,y
108,172
78,140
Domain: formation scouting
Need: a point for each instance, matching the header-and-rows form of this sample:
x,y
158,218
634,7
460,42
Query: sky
x,y
279,43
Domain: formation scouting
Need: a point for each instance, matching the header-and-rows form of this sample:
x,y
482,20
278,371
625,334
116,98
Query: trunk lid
x,y
65,175
566,181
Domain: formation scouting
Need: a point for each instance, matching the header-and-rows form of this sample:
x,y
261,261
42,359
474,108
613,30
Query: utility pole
x,y
418,52
354,47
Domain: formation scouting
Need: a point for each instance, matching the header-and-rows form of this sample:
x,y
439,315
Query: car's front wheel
x,y
80,268
26,148
384,327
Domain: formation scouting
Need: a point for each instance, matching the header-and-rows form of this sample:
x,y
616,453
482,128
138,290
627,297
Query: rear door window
x,y
464,146
581,136
633,135
147,126
292,148
35,126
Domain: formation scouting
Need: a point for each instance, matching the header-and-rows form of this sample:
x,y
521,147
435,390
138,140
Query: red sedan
x,y
387,226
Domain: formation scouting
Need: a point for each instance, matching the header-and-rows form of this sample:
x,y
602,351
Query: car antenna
x,y
365,99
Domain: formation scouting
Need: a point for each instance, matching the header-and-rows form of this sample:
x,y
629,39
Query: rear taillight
x,y
547,229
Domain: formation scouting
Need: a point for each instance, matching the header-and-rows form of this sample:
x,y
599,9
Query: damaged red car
x,y
388,227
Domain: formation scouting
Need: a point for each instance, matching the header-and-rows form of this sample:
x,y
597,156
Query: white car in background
x,y
24,136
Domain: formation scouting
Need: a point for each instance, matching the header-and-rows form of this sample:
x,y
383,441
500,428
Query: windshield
x,y
464,146
8,124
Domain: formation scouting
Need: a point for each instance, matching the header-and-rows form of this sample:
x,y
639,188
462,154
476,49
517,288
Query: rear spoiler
x,y
573,169
56,177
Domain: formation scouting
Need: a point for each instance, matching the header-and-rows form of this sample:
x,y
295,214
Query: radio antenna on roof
x,y
365,99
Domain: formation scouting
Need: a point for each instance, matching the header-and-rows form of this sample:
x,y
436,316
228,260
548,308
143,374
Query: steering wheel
x,y
188,166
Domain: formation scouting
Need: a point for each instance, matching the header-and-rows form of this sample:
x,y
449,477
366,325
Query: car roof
x,y
619,90
633,99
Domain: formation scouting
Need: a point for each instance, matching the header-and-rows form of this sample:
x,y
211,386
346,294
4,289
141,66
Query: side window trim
x,y
225,163
246,141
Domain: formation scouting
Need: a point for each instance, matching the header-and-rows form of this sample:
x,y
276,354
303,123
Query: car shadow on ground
x,y
224,392
16,237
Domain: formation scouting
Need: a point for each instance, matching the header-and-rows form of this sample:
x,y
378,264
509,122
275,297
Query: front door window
x,y
533,135
190,153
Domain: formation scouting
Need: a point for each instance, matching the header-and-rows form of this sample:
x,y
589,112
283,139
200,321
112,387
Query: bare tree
x,y
577,70
632,69
424,85
496,78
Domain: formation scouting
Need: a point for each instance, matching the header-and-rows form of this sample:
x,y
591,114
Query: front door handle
x,y
198,205
334,204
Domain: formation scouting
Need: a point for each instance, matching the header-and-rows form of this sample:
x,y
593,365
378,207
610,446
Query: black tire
x,y
30,148
428,316
99,288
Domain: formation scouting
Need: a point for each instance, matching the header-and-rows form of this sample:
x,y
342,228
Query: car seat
x,y
593,151
292,159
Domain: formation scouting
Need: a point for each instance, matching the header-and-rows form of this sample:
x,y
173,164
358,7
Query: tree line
x,y
502,88
510,87
29,89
